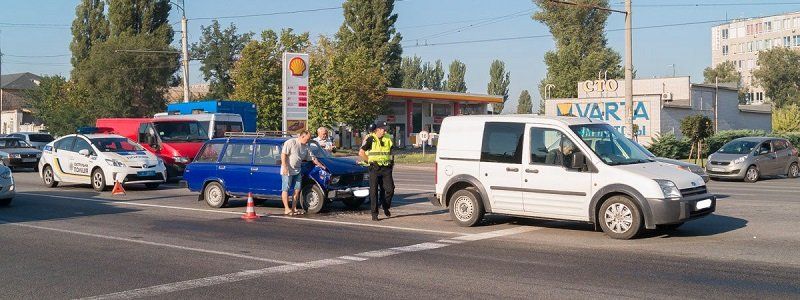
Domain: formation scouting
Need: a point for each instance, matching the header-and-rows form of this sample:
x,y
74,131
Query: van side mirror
x,y
578,161
84,152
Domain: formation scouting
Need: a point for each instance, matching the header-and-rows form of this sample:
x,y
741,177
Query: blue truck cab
x,y
236,166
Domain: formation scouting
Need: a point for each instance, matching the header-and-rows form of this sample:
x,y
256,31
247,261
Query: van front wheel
x,y
466,208
620,218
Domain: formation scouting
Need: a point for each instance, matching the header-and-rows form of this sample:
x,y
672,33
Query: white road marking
x,y
251,274
108,237
239,213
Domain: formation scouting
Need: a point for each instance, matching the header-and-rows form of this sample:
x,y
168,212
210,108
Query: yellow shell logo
x,y
297,66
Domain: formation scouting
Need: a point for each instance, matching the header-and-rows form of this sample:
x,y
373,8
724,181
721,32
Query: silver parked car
x,y
36,139
752,158
677,163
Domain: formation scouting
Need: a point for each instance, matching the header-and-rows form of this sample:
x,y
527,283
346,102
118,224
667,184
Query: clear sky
x,y
36,35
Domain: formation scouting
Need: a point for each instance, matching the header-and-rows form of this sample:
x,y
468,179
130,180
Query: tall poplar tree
x,y
499,80
581,48
89,28
433,75
411,71
524,104
217,50
369,24
455,77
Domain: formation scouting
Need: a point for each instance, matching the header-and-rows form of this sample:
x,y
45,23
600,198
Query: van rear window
x,y
502,142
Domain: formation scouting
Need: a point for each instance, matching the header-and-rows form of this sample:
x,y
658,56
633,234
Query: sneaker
x,y
387,213
375,217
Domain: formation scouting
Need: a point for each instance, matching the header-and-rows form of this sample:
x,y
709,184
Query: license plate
x,y
361,193
702,204
146,173
717,169
28,160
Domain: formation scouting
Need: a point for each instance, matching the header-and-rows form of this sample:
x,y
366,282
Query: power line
x,y
711,4
269,14
550,35
476,25
34,25
37,56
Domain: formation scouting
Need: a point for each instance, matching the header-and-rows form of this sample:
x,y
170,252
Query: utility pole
x,y
1,82
628,71
716,103
184,52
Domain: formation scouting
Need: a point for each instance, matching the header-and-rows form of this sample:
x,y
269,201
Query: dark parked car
x,y
16,153
236,166
752,158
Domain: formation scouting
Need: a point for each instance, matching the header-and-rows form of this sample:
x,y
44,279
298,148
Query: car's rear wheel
x,y
5,202
353,203
794,171
48,178
152,185
466,208
98,180
752,174
620,218
215,195
313,199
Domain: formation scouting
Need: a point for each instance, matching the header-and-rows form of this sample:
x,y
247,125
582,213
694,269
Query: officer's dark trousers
x,y
383,176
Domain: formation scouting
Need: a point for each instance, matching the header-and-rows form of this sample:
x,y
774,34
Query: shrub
x,y
669,146
793,137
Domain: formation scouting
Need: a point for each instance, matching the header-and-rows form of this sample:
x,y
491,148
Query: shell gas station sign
x,y
295,92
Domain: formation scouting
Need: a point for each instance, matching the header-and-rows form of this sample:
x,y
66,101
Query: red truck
x,y
175,141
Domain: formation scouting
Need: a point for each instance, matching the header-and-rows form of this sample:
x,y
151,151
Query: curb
x,y
416,167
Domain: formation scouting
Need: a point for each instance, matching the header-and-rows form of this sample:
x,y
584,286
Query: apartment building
x,y
740,41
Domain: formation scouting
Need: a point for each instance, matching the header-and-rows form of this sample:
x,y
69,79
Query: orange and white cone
x,y
118,190
250,213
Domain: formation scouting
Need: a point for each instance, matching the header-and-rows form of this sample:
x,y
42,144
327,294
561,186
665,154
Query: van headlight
x,y
669,189
181,159
115,163
6,173
738,160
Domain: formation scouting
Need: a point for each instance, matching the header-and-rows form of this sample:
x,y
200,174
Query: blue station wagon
x,y
236,166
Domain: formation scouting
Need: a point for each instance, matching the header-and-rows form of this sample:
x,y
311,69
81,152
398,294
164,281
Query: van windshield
x,y
610,145
181,131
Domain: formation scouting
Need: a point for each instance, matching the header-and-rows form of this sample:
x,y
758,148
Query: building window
x,y
796,39
787,41
750,29
749,46
768,26
725,50
725,34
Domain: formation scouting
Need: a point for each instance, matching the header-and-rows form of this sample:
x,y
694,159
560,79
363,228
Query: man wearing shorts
x,y
294,152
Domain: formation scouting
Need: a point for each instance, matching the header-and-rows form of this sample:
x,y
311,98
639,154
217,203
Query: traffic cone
x,y
118,190
250,213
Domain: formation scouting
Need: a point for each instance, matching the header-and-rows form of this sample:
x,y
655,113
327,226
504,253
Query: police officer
x,y
377,152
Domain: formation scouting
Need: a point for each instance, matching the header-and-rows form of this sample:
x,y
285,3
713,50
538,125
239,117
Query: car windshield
x,y
649,154
116,145
318,151
738,147
610,145
40,138
181,131
13,143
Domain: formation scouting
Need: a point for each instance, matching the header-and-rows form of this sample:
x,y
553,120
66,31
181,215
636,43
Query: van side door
x,y
551,188
501,164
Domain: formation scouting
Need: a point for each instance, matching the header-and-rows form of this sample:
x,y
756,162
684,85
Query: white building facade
x,y
739,41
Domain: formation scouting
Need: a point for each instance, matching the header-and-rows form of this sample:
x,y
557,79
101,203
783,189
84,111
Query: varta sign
x,y
611,111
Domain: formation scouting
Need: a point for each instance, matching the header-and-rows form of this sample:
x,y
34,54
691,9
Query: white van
x,y
216,124
543,167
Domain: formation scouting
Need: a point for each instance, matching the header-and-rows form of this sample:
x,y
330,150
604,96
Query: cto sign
x,y
600,85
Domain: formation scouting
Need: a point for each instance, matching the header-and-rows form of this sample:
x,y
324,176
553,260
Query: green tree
x,y
411,70
357,87
786,119
581,49
524,104
499,80
89,27
723,73
140,17
258,74
697,128
455,77
433,75
541,107
322,107
217,50
369,26
779,74
61,111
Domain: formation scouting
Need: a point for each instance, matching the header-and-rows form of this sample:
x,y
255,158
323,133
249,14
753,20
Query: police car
x,y
99,158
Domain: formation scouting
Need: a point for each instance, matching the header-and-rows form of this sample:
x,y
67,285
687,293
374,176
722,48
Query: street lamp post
x,y
184,50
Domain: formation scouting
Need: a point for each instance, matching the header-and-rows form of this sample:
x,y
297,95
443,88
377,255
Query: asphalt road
x,y
71,242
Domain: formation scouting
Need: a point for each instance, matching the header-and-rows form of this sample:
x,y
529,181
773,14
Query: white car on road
x,y
99,159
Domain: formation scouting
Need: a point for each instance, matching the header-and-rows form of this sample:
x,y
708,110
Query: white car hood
x,y
657,170
133,158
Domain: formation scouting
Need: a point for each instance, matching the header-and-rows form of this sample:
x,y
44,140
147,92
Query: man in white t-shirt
x,y
324,139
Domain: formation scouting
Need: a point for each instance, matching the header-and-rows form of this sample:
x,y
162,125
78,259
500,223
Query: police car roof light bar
x,y
94,130
277,133
244,134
